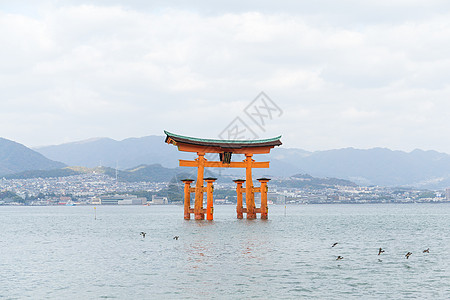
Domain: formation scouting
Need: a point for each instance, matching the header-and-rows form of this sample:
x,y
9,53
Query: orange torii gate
x,y
225,148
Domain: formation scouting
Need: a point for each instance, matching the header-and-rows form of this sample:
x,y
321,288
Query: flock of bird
x,y
380,250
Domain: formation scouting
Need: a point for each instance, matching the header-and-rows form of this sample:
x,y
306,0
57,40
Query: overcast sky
x,y
356,73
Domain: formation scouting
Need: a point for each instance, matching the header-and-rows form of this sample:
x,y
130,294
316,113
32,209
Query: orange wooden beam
x,y
219,164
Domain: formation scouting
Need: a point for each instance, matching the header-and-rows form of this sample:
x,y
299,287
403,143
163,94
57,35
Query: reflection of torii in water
x,y
225,149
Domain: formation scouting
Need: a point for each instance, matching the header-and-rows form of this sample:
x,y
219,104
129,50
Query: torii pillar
x,y
263,190
239,191
187,198
198,206
209,198
249,194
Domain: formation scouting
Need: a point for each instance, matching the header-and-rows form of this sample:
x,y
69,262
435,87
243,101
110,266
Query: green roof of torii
x,y
224,143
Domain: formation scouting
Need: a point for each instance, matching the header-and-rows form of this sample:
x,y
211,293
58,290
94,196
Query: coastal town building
x,y
159,200
89,189
122,200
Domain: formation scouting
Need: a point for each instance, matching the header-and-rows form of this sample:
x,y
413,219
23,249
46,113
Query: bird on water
x,y
407,255
426,250
380,251
143,234
339,257
334,245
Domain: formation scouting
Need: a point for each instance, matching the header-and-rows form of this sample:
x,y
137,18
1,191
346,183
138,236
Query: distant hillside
x,y
307,181
42,174
153,173
15,157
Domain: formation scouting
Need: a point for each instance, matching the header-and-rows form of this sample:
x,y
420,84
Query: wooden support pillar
x,y
209,198
264,189
187,198
249,195
198,206
239,191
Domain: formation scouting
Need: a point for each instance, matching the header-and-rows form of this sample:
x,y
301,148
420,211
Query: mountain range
x,y
123,154
377,166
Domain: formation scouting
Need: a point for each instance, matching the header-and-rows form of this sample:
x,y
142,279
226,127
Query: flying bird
x,y
176,237
426,250
334,245
380,251
407,255
143,234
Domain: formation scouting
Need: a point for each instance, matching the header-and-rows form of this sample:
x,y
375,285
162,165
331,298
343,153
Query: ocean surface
x,y
65,253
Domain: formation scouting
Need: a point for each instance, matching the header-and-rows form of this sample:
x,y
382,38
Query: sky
x,y
336,74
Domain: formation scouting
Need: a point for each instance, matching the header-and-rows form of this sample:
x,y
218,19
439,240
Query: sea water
x,y
80,252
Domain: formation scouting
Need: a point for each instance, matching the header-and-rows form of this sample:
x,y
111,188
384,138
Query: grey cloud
x,y
345,74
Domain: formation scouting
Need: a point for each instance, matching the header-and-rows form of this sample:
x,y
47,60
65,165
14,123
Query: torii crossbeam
x,y
225,148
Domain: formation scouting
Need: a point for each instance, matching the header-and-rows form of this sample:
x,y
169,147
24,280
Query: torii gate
x,y
225,148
